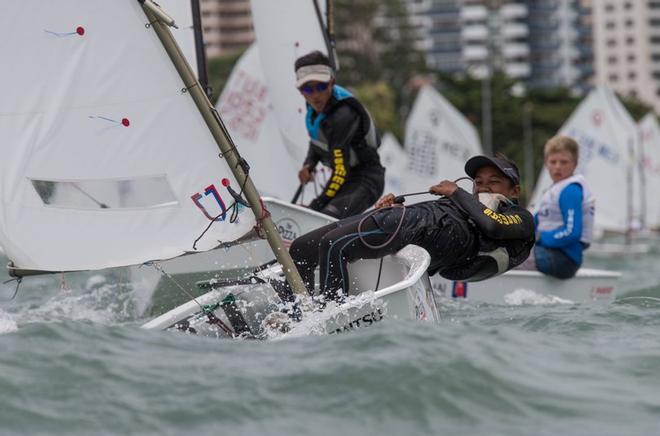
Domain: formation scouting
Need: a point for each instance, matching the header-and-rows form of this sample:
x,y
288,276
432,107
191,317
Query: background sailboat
x,y
649,134
439,140
249,115
393,157
279,47
607,136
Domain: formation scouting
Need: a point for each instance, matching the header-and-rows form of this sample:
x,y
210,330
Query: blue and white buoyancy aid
x,y
314,127
548,208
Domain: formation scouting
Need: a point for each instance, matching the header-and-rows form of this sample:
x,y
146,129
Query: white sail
x,y
649,134
182,13
286,30
105,161
439,140
248,113
394,159
607,137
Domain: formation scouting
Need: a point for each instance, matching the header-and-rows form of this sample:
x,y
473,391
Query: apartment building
x,y
627,47
545,43
227,26
560,43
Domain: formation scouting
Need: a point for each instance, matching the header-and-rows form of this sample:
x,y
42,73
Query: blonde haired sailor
x,y
565,214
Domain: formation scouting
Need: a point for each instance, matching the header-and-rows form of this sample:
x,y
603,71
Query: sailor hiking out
x,y
467,240
342,137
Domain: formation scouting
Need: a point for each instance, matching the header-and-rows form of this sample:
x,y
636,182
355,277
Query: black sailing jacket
x,y
343,137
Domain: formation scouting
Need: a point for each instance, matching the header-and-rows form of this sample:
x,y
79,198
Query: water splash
x,y
7,323
521,297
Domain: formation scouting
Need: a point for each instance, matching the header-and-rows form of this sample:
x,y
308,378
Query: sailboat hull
x,y
406,294
589,286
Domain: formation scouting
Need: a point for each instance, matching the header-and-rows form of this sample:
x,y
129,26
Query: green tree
x,y
379,98
219,70
375,43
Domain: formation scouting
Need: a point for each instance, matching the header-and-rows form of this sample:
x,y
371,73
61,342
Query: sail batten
x,y
104,105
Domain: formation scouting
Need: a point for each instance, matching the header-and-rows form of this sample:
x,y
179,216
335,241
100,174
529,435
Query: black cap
x,y
509,169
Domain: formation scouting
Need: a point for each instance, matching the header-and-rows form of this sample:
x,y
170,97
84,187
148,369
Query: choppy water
x,y
73,361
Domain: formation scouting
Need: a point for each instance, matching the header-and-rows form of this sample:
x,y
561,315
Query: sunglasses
x,y
309,89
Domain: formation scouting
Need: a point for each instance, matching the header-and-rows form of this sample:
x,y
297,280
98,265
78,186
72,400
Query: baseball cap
x,y
509,169
313,73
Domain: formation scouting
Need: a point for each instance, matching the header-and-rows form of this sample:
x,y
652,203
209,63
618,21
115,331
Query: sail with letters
x,y
608,141
249,115
279,47
106,161
439,140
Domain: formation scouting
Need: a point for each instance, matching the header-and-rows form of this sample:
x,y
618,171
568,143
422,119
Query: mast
x,y
328,31
640,163
159,22
202,71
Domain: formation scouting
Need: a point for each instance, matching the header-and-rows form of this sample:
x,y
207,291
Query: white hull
x,y
531,287
406,294
615,250
513,287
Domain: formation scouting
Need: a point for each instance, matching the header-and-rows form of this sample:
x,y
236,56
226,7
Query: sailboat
x,y
439,139
260,88
649,134
438,142
395,160
112,152
609,153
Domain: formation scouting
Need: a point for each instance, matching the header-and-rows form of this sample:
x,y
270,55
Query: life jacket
x,y
549,212
342,96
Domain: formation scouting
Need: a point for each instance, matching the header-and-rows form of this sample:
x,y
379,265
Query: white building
x,y
470,35
227,26
627,47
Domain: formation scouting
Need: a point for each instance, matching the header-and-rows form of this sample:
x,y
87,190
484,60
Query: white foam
x,y
7,323
521,297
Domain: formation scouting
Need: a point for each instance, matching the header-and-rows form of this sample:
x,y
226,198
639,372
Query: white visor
x,y
313,73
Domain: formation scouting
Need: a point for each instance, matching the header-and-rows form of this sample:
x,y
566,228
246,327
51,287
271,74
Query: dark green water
x,y
74,361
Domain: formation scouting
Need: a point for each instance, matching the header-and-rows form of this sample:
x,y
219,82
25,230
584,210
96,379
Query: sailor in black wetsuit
x,y
466,239
343,137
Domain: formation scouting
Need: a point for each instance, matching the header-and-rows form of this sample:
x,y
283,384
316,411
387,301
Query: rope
x,y
160,269
18,281
206,309
232,207
265,213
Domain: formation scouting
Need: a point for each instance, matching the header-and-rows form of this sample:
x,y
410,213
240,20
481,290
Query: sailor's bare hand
x,y
446,188
386,201
304,175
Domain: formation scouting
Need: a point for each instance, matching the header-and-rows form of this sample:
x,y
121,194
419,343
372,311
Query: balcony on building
x,y
513,11
475,32
518,70
474,13
472,53
515,50
514,30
